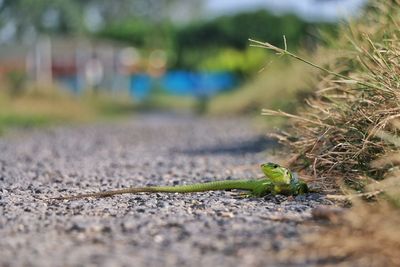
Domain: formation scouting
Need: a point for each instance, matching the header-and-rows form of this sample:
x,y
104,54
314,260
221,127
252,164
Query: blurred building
x,y
81,64
76,64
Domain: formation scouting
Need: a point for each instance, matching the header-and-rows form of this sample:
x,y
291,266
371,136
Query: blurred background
x,y
79,60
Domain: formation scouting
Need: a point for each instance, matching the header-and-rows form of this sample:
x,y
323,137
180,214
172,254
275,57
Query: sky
x,y
311,10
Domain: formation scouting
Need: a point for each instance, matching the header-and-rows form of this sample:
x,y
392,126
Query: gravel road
x,y
199,229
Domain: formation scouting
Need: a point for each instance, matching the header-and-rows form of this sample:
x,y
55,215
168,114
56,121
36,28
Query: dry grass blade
x,y
268,112
283,52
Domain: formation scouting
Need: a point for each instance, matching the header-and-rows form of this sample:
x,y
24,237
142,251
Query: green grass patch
x,y
278,86
37,107
164,102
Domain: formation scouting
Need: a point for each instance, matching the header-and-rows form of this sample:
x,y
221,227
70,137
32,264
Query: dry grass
x,y
335,137
349,134
368,234
364,236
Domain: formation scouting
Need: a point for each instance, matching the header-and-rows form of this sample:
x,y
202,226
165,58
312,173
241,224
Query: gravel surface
x,y
199,229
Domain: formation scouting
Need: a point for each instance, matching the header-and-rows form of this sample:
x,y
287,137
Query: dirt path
x,y
215,228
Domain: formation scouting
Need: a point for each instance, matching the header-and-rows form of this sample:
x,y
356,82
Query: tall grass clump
x,y
335,138
362,236
366,235
349,134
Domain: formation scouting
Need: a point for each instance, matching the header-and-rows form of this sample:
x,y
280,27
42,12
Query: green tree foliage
x,y
32,16
222,38
73,16
197,40
211,44
141,33
235,30
243,62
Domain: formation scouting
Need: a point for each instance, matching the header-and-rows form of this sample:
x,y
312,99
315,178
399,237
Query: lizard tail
x,y
209,186
201,187
108,193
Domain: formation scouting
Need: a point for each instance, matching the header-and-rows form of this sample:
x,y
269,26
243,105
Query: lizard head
x,y
276,173
284,179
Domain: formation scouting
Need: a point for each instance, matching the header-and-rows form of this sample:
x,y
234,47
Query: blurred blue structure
x,y
140,86
183,83
70,82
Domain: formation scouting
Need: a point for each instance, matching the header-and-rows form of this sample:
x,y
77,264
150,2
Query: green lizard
x,y
277,180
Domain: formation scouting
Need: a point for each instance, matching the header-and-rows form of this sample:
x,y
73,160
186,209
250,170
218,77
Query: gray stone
x,y
210,228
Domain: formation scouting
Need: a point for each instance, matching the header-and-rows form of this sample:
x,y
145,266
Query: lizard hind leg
x,y
251,194
262,187
259,193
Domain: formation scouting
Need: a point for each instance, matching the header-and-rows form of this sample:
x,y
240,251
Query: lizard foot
x,y
243,195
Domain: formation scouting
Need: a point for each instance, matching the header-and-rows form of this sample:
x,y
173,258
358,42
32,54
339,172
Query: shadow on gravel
x,y
255,145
